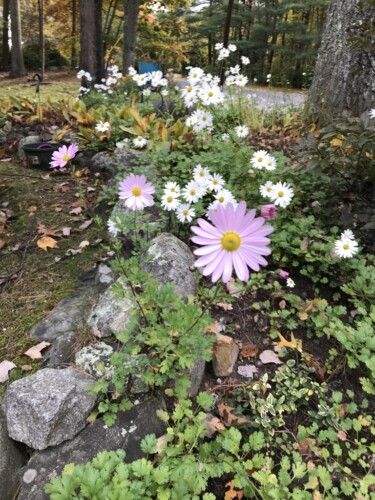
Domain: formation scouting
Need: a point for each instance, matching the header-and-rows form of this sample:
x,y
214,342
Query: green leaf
x,y
257,440
149,444
205,400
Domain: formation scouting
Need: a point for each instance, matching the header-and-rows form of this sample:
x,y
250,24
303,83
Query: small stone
x,y
225,354
29,476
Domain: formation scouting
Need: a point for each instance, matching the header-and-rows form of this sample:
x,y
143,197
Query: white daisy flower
x,y
146,92
223,54
270,163
371,113
139,142
112,227
232,47
211,94
169,202
347,234
225,136
259,159
345,248
219,46
193,191
281,194
290,283
235,69
203,119
216,183
242,131
266,189
102,126
222,198
245,60
172,188
230,80
185,213
201,174
195,75
241,80
122,144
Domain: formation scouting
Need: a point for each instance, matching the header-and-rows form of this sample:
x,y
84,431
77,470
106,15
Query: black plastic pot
x,y
39,154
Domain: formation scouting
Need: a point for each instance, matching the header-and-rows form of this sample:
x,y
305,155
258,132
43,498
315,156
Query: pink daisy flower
x,y
268,212
235,239
136,192
61,157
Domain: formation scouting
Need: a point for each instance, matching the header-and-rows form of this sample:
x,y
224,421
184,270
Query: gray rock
x,y
11,461
61,353
48,407
171,260
108,163
111,314
96,361
26,140
66,317
196,374
104,276
127,433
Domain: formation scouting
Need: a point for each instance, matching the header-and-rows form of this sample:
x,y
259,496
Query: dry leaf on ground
x,y
48,231
35,352
269,356
224,306
249,351
5,367
86,224
47,242
247,370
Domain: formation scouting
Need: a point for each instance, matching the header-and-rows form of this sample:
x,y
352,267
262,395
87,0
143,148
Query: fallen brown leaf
x,y
224,306
5,367
47,242
35,352
86,224
48,231
249,351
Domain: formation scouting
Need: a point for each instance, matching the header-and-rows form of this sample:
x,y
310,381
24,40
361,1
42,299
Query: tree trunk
x,y
344,72
91,56
73,55
227,24
6,53
131,12
17,67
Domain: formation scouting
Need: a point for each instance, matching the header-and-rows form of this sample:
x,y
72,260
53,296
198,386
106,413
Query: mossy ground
x,y
43,277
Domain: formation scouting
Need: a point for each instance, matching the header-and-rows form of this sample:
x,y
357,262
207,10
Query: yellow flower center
x,y
136,191
189,88
269,189
185,212
66,157
230,241
221,199
192,192
280,194
204,118
173,189
345,246
201,173
214,181
260,159
170,199
210,94
195,75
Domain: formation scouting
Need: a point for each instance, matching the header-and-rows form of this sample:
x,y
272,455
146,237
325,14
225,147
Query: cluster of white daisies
x,y
346,246
108,83
154,79
204,182
202,89
157,7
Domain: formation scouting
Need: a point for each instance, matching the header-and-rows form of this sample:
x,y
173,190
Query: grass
x,y
44,277
58,85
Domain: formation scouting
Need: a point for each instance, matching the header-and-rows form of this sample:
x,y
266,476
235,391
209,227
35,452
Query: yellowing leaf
x,y
336,142
47,242
293,343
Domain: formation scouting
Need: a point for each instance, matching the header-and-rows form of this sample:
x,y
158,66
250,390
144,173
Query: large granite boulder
x,y
48,407
127,432
12,458
111,314
170,259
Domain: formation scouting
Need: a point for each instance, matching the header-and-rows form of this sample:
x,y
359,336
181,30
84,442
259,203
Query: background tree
x,y
17,67
131,13
91,55
5,37
345,68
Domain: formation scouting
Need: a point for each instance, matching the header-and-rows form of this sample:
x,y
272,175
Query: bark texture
x,y
131,9
91,56
17,67
344,72
5,37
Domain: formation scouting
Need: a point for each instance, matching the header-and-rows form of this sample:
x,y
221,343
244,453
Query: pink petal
x,y
207,249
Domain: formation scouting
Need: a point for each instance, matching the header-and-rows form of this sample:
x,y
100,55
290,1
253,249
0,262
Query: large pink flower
x,y
235,239
61,157
136,192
